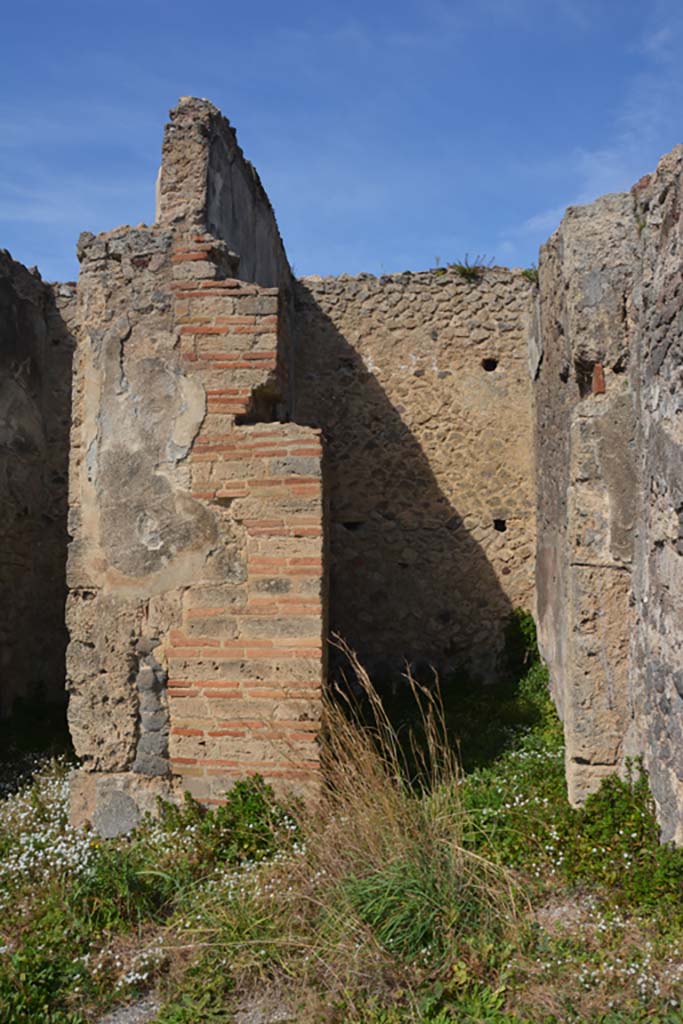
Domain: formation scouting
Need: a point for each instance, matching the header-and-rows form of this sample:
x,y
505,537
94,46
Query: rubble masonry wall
x,y
421,385
35,398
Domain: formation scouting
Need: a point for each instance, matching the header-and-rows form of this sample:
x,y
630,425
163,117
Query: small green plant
x,y
120,888
38,975
531,274
472,270
521,644
203,995
614,841
250,826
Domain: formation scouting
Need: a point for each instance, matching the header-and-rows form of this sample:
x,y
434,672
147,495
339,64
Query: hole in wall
x,y
583,372
353,525
489,364
500,525
264,407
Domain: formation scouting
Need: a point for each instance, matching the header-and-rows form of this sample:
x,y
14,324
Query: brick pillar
x,y
205,573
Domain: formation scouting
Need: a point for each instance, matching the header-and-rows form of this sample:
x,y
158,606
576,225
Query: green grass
x,y
81,918
413,893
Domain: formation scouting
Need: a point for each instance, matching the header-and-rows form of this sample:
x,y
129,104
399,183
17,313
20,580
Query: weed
x,y
121,887
521,646
614,841
397,877
70,900
249,826
531,274
204,995
472,271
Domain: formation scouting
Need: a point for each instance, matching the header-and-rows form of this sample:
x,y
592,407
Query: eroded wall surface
x,y
421,385
195,573
657,376
205,181
586,482
35,397
610,486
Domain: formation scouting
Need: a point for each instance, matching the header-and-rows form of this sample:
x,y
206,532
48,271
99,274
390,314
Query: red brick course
x,y
262,475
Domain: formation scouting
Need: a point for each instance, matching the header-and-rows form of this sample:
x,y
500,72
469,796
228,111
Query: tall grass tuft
x,y
388,893
382,893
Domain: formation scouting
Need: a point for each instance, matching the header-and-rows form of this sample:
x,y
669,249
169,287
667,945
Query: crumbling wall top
x,y
207,185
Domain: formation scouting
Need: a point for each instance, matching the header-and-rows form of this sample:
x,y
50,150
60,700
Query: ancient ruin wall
x,y
656,380
610,485
197,604
421,385
586,482
206,182
196,593
35,397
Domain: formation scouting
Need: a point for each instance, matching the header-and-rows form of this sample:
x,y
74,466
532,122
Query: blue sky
x,y
389,136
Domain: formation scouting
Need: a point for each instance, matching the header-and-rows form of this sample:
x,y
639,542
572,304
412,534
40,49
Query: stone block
x,y
115,803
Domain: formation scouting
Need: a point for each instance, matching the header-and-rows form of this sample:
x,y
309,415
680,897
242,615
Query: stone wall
x,y
205,181
421,385
610,485
195,573
35,383
656,378
586,482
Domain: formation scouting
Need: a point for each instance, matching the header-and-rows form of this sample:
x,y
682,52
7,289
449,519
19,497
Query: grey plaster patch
x,y
115,815
297,465
151,754
145,523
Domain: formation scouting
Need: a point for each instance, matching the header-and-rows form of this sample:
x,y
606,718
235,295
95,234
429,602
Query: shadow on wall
x,y
408,581
36,351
